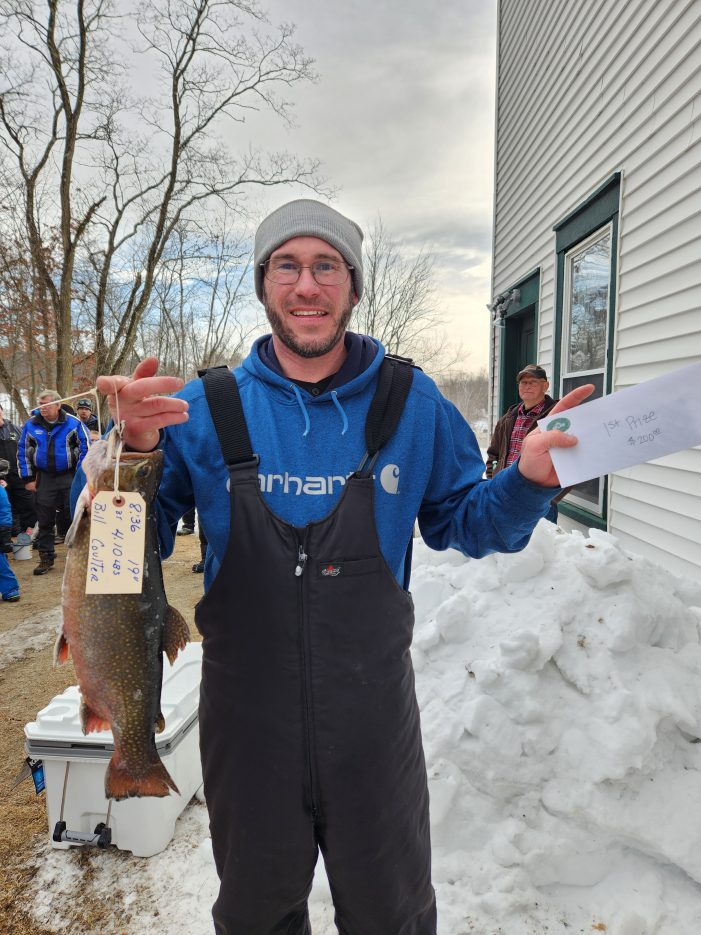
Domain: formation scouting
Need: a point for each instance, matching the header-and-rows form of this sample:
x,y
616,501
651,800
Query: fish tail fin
x,y
176,633
122,783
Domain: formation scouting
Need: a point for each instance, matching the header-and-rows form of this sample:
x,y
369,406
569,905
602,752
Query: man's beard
x,y
311,347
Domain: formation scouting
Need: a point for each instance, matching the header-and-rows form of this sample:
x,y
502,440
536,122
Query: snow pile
x,y
560,691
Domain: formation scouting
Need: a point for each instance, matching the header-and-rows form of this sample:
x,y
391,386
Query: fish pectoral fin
x,y
176,633
90,721
61,650
160,724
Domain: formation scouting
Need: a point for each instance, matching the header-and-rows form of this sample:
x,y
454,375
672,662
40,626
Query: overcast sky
x,y
402,119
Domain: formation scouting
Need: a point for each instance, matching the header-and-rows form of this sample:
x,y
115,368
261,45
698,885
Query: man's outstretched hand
x,y
535,463
141,408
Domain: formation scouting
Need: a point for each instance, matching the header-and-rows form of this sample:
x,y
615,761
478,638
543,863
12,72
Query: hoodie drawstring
x,y
334,397
295,389
307,424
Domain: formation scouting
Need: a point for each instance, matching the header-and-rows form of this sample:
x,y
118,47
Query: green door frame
x,y
525,307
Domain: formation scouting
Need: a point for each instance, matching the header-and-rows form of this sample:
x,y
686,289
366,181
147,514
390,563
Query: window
x,y
586,244
584,332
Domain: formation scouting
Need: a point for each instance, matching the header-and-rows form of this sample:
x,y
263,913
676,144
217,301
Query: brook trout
x,y
117,641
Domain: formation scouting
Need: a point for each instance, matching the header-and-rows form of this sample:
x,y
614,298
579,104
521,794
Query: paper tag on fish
x,y
117,543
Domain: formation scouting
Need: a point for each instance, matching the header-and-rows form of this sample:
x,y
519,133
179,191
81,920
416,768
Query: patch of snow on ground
x,y
32,634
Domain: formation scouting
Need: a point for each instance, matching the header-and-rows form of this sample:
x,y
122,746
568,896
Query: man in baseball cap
x,y
84,411
329,451
520,419
536,372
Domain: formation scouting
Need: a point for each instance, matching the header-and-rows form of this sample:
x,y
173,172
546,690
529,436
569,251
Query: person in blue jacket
x,y
50,448
9,585
309,726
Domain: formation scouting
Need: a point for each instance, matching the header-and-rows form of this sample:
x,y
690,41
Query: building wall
x,y
583,91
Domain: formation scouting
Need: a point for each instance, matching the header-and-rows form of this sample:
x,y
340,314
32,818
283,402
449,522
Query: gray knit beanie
x,y
307,218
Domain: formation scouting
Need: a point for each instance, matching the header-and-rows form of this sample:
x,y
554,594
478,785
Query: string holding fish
x,y
116,440
115,444
117,481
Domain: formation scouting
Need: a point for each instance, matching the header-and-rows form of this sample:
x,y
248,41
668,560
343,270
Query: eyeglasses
x,y
325,272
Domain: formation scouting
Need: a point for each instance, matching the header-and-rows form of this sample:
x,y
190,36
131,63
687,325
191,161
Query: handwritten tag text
x,y
117,543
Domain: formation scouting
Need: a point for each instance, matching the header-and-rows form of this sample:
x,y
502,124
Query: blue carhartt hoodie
x,y
431,468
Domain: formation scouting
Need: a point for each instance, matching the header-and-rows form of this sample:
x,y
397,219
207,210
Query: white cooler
x,y
75,765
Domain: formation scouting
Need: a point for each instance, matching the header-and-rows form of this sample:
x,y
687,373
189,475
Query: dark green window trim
x,y
600,209
580,515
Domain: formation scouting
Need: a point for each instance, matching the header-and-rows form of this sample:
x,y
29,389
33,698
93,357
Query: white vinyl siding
x,y
585,91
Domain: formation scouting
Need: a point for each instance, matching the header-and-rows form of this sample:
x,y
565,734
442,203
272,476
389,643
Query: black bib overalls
x,y
309,725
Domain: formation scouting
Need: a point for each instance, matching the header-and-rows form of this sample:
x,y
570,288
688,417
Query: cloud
x,y
455,236
402,120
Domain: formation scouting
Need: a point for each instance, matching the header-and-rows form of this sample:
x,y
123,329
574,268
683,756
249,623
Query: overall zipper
x,y
306,666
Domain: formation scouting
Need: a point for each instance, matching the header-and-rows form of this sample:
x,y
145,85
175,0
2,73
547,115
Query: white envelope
x,y
637,424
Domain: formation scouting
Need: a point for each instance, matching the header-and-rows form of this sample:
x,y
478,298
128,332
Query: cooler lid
x,y
57,726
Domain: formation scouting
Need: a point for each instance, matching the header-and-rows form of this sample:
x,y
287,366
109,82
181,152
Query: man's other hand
x,y
535,463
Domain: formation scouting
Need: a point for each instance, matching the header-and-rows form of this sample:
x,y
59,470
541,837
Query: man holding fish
x,y
329,452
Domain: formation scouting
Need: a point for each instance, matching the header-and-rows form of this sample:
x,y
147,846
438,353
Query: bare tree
x,y
203,314
116,172
469,392
399,302
27,356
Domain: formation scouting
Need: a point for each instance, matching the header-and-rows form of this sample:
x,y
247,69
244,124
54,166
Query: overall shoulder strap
x,y
224,400
387,406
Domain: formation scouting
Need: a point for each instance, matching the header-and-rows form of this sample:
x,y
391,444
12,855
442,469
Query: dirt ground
x,y
26,686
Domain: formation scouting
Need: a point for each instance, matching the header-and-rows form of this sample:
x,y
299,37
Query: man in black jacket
x,y
519,420
21,500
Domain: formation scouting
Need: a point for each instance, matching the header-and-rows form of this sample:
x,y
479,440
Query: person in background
x,y
187,529
21,500
84,411
62,518
188,525
329,451
50,448
518,421
9,586
198,567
